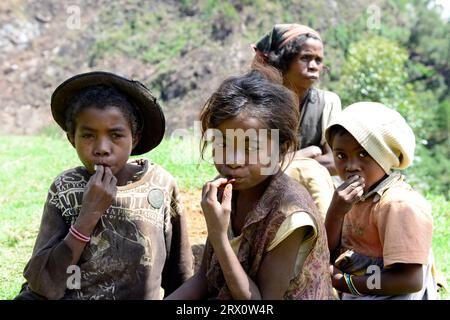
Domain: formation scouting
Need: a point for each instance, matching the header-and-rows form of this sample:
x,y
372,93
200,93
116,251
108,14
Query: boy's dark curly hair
x,y
102,97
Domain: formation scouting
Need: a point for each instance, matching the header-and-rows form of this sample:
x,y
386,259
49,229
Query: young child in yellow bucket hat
x,y
379,229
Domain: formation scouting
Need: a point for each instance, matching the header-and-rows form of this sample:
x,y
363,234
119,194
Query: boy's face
x,y
352,159
103,137
241,160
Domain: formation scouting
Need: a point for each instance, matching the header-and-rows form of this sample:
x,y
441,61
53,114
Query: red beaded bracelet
x,y
78,235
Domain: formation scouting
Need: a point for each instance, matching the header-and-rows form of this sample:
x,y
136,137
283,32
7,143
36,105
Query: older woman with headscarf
x,y
292,54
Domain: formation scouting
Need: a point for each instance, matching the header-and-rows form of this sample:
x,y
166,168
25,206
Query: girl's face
x,y
306,66
103,137
352,159
244,152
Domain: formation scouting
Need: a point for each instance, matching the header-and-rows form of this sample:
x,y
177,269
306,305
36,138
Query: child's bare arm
x,y
348,193
217,216
195,288
282,258
241,286
400,278
308,152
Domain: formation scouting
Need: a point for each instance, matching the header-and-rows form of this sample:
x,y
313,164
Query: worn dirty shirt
x,y
282,198
393,224
139,245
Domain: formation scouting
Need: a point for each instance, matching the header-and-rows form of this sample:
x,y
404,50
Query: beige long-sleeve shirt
x,y
139,245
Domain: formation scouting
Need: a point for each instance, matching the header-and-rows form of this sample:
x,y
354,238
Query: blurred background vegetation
x,y
394,52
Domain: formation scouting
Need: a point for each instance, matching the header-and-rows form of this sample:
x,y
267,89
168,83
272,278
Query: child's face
x,y
242,160
351,159
103,137
305,68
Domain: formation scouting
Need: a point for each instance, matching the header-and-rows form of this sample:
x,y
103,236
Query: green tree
x,y
376,70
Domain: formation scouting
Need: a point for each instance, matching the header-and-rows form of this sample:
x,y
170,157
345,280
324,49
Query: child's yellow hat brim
x,y
381,131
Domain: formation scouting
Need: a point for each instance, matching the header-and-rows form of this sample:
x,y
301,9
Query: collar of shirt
x,y
382,187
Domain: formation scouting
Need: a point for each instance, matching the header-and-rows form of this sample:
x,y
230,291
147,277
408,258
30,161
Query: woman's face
x,y
306,66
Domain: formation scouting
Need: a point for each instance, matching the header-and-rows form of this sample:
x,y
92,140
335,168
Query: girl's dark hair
x,y
102,97
277,62
257,97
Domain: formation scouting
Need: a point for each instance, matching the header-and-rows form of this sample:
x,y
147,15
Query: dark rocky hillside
x,y
180,49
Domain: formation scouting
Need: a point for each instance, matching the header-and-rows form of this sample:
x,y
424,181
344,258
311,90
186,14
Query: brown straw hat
x,y
153,121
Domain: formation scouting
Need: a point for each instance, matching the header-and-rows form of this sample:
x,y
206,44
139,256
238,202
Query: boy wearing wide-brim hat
x,y
379,229
112,228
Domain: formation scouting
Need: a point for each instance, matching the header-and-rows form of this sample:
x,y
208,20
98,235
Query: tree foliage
x,y
376,69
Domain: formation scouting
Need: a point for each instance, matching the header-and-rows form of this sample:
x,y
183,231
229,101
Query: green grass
x,y
441,237
28,166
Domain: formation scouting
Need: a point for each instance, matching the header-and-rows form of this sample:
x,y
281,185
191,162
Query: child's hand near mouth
x,y
348,193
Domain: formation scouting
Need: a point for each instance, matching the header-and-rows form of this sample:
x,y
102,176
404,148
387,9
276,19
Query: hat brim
x,y
152,116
